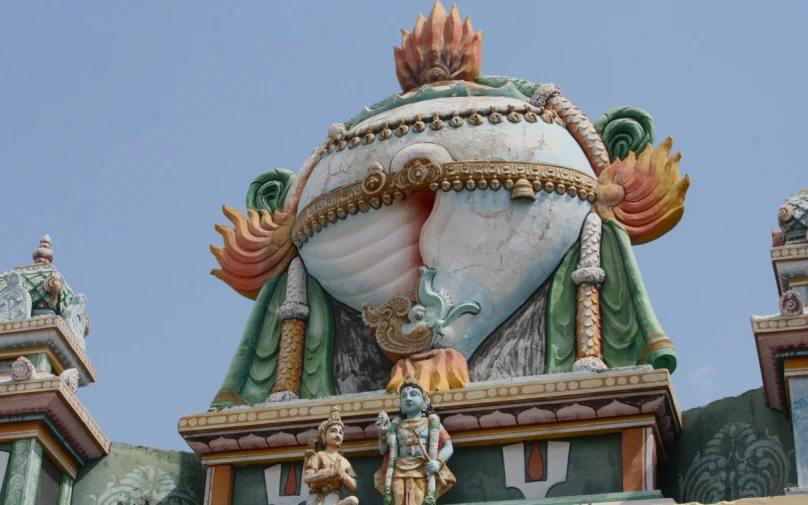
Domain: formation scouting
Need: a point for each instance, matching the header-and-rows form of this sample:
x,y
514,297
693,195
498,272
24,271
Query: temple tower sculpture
x,y
782,338
46,434
452,270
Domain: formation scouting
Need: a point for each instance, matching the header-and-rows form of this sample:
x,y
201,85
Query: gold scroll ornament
x,y
381,188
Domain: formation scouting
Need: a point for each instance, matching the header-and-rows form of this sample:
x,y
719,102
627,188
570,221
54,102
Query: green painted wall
x,y
129,472
732,448
594,467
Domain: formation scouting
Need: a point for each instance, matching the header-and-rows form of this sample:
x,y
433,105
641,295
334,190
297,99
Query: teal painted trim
x,y
50,426
23,479
580,500
65,490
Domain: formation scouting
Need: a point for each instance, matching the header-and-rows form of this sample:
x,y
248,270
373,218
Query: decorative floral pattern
x,y
736,464
26,462
145,485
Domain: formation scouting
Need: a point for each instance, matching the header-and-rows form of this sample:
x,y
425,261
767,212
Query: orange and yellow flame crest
x,y
439,48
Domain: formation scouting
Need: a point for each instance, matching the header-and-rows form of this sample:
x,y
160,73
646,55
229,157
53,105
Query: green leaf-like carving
x,y
318,355
561,315
625,129
268,190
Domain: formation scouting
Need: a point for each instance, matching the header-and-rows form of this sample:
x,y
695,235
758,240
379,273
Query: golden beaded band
x,y
419,123
381,188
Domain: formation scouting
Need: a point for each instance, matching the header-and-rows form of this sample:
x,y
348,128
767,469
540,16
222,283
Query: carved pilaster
x,y
22,369
588,277
293,314
23,475
65,490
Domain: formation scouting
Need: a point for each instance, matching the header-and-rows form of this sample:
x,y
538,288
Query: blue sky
x,y
124,126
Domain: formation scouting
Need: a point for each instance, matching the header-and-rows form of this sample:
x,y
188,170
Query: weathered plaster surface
x,y
516,348
359,364
732,448
496,252
130,471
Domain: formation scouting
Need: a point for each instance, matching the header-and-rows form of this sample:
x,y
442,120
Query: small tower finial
x,y
44,253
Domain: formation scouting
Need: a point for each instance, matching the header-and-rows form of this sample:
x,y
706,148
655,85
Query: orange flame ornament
x,y
644,193
440,48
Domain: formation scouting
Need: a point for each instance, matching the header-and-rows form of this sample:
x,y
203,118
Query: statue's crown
x,y
411,381
333,418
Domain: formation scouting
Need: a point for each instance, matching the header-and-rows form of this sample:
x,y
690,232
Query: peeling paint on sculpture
x,y
434,217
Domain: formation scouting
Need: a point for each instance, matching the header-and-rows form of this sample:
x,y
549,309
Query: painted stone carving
x,y
513,457
71,378
15,301
416,448
326,471
736,464
791,303
438,214
48,290
793,217
22,369
75,317
44,254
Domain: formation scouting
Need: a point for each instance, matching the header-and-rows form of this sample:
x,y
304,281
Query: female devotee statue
x,y
326,470
415,448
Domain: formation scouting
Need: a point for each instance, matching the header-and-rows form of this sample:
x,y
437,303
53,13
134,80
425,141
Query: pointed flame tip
x,y
437,50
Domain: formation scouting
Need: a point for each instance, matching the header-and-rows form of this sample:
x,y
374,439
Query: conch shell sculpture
x,y
436,214
440,48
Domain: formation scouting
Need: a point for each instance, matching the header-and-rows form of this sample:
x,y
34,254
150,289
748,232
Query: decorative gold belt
x,y
523,179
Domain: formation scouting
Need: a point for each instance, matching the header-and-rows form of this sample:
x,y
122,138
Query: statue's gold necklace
x,y
410,432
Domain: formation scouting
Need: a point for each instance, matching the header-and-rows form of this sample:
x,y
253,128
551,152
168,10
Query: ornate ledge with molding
x,y
49,335
787,252
774,335
66,430
549,406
